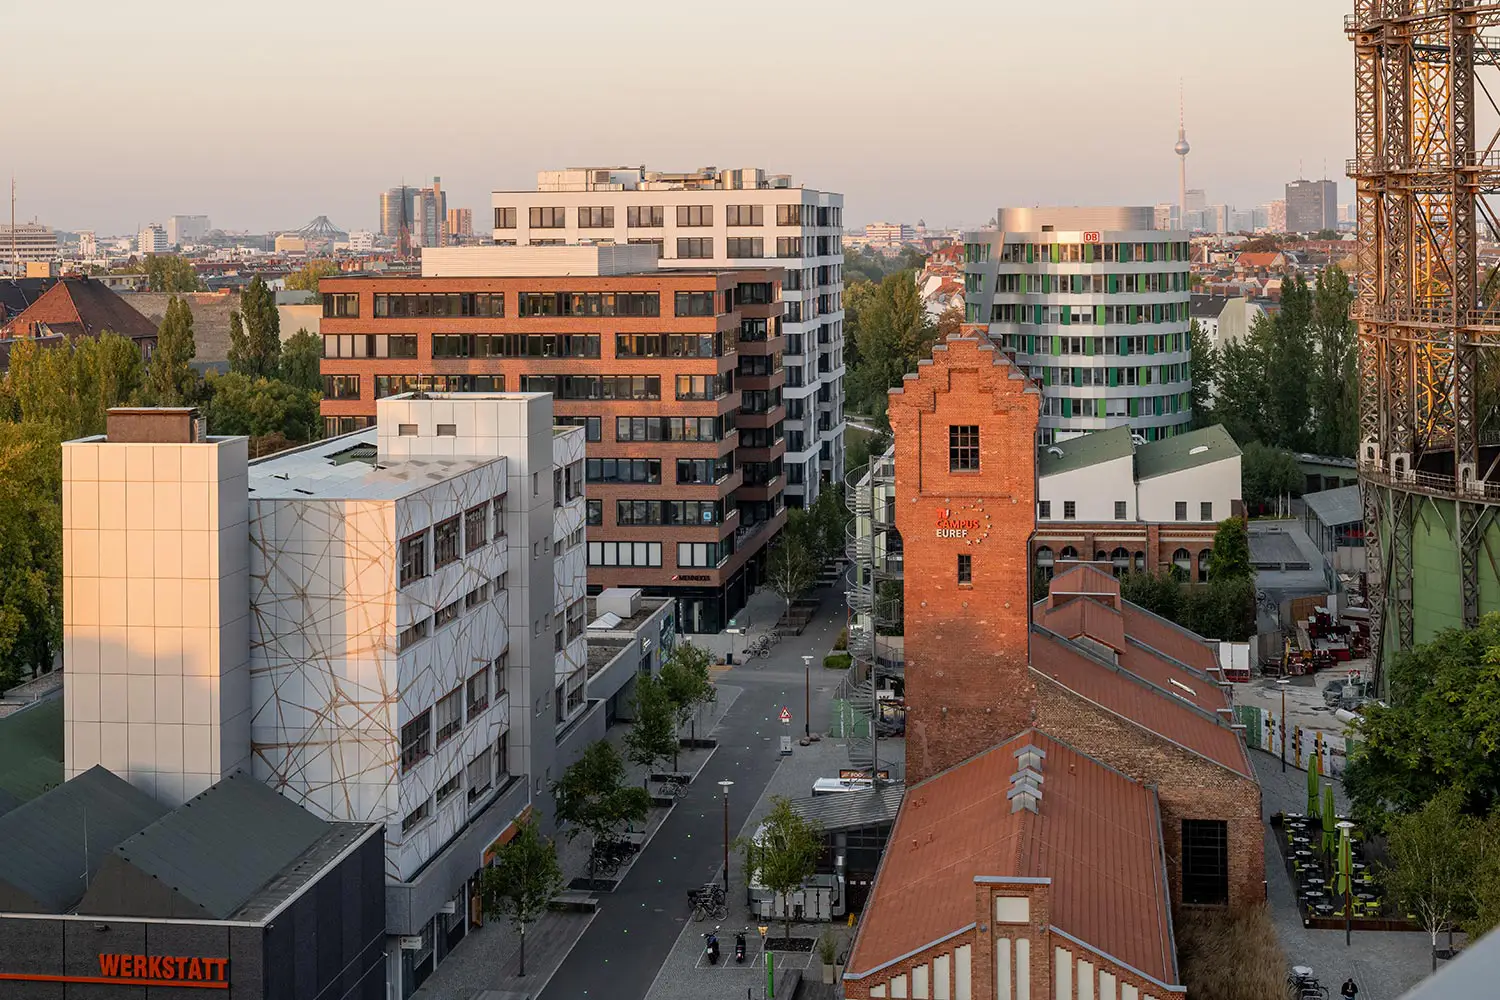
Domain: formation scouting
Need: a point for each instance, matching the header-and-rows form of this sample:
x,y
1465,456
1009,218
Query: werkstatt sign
x,y
966,523
146,970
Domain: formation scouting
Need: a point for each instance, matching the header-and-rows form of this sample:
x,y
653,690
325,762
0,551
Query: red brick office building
x,y
676,374
1094,681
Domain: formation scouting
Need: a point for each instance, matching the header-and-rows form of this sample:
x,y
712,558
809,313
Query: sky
x,y
264,115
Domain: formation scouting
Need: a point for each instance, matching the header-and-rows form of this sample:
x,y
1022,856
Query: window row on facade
x,y
430,549
1184,565
1017,283
1044,510
1123,346
655,216
487,771
1114,376
1144,251
1089,315
1118,406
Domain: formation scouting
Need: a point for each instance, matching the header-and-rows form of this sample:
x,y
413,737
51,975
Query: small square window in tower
x,y
963,448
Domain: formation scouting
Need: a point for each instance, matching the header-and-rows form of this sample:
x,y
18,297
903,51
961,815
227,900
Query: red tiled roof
x,y
81,306
1084,578
1085,616
1165,637
1258,259
1096,834
1173,718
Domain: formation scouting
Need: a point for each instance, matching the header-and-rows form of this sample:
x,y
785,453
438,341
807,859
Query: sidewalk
x,y
487,959
686,974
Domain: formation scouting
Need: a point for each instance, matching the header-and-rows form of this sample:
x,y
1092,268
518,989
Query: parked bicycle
x,y
676,785
1304,985
610,855
708,901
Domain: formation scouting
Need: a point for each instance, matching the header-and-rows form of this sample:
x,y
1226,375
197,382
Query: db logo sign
x,y
1091,237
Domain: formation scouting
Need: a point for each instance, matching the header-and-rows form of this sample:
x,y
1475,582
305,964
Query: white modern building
x,y
27,241
890,232
152,239
387,626
88,245
716,219
184,229
1093,302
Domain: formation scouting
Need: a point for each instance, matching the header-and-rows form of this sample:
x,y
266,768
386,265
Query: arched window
x,y
1182,564
1120,558
1203,565
1100,556
1140,562
1067,554
1044,561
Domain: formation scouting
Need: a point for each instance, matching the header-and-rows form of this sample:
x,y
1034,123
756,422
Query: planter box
x,y
701,743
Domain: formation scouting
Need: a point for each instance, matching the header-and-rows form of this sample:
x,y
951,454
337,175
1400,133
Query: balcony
x,y
765,418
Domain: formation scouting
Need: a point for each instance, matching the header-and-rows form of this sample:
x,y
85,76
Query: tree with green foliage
x,y
241,404
170,379
861,447
1239,395
1220,609
306,278
1204,368
521,882
1335,382
255,332
652,738
31,559
894,333
1230,558
829,517
72,385
169,273
1431,865
1267,475
1159,592
1438,729
301,361
1327,235
783,853
792,566
592,796
1288,361
689,686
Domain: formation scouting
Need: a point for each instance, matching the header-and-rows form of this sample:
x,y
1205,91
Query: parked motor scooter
x,y
711,949
739,947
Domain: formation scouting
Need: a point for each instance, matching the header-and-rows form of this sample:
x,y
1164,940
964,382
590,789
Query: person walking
x,y
1350,991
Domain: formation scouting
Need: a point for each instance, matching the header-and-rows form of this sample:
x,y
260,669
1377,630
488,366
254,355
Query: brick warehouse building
x,y
1120,688
676,374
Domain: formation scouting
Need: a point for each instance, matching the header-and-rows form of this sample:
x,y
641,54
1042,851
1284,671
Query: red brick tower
x,y
965,439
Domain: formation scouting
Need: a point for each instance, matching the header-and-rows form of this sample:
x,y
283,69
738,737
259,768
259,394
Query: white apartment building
x,y
890,232
184,229
27,241
152,239
88,245
387,626
1093,303
716,219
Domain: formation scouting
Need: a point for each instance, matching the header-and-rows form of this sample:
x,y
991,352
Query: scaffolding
x,y
1424,327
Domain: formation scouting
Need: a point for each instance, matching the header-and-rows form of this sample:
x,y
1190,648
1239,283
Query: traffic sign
x,y
786,716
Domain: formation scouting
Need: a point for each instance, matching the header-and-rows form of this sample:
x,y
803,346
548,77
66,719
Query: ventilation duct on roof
x,y
1026,784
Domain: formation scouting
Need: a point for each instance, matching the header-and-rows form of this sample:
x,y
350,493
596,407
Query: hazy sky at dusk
x,y
267,114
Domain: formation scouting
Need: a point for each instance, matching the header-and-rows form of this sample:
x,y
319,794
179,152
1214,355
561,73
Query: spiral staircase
x,y
874,551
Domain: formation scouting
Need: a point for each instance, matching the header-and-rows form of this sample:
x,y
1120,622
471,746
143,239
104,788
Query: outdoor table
x,y
1324,909
1299,840
1315,880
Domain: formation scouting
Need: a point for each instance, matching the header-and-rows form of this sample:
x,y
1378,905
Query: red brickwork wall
x,y
967,686
1189,786
1158,543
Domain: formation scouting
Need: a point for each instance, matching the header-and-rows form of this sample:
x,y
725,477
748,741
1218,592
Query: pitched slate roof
x,y
185,849
31,749
1096,835
80,307
54,844
1083,451
1184,451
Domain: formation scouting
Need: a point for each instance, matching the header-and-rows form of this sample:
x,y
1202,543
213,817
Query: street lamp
x,y
726,784
807,696
1282,682
1348,875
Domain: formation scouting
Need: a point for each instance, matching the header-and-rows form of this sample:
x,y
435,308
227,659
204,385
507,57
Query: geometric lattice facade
x,y
1426,330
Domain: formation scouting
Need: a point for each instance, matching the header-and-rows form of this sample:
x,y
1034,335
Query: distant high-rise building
x,y
1165,215
184,229
1241,222
1195,200
429,225
396,210
1311,206
1275,216
88,247
361,241
152,239
461,222
27,241
1216,219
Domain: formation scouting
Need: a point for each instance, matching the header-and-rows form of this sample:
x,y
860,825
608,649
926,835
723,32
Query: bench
x,y
574,901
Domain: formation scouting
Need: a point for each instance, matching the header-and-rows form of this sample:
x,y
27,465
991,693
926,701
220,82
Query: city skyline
x,y
259,154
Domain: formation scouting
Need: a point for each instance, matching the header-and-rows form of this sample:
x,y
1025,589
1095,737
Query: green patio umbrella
x,y
1312,791
1345,868
1330,817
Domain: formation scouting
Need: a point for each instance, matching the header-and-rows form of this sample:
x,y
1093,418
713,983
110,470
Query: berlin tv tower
x,y
1181,149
